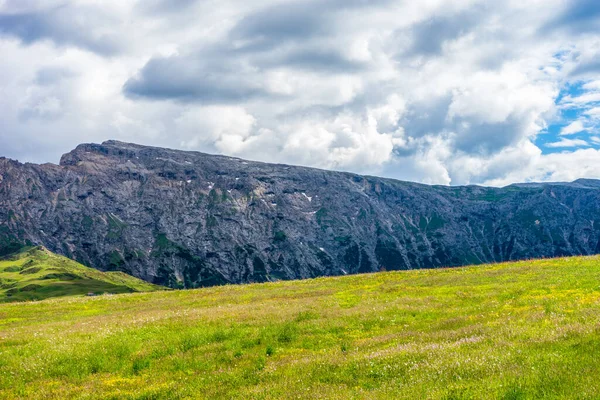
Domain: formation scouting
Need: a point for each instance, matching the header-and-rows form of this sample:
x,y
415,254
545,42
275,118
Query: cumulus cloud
x,y
215,128
445,92
556,167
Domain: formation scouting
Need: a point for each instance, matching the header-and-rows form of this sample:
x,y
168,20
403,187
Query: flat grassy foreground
x,y
35,273
509,331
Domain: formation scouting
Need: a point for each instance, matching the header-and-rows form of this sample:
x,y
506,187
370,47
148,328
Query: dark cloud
x,y
488,138
275,36
579,16
432,118
427,117
295,21
203,79
429,36
275,25
229,71
226,75
321,60
591,69
65,26
165,6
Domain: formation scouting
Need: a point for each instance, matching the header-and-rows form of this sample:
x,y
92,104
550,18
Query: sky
x,y
434,91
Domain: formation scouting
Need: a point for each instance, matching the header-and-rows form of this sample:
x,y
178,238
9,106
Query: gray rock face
x,y
188,219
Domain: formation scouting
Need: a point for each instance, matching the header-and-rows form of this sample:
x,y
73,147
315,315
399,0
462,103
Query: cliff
x,y
188,219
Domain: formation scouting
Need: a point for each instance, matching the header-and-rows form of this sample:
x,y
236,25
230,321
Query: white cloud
x,y
593,85
578,101
572,128
558,167
223,128
593,112
568,143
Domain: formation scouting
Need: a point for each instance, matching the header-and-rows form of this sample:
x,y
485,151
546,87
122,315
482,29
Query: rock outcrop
x,y
188,219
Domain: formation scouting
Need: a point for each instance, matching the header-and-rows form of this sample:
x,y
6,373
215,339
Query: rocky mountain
x,y
188,219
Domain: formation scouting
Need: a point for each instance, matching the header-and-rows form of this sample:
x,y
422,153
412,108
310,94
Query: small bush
x,y
287,333
280,236
30,271
140,364
270,350
30,288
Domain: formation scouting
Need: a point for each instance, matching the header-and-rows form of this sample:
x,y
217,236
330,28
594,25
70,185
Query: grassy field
x,y
35,274
522,330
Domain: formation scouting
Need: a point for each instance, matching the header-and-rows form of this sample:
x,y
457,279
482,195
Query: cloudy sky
x,y
435,91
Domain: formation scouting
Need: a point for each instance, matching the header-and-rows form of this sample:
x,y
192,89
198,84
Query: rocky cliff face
x,y
191,219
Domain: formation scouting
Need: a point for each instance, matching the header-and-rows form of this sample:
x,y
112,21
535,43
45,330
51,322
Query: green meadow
x,y
35,274
523,330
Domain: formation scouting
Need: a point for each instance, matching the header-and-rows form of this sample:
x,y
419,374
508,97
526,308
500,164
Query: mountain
x,y
36,273
187,219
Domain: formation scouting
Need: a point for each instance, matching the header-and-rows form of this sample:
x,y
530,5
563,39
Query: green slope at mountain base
x,y
522,330
35,273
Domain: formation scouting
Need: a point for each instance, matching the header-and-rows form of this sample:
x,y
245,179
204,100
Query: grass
x,y
35,274
523,330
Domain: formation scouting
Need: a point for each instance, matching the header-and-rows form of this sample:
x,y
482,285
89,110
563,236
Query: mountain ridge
x,y
64,162
188,219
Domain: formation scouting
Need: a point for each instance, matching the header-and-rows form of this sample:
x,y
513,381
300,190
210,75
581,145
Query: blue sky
x,y
434,91
567,114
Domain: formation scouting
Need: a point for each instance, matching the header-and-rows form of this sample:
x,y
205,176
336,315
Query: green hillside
x,y
35,273
523,330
